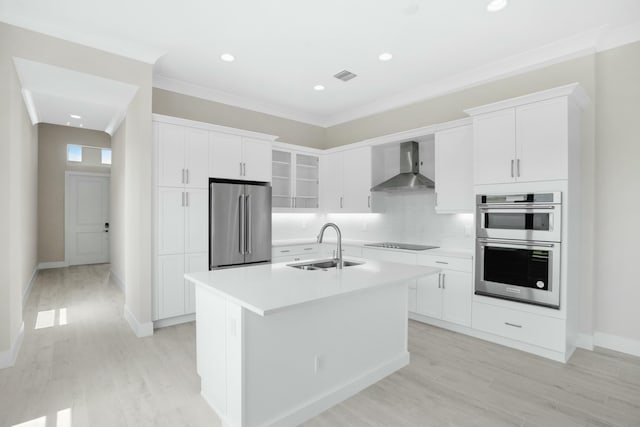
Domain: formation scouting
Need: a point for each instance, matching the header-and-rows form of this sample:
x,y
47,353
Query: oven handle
x,y
521,207
518,243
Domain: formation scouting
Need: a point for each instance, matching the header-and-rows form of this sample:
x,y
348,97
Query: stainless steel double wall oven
x,y
518,247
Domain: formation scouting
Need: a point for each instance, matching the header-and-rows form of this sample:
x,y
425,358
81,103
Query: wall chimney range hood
x,y
409,178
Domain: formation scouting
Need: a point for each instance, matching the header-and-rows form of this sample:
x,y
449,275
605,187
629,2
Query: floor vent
x,y
345,75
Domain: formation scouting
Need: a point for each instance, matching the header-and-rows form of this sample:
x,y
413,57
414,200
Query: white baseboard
x,y
584,341
8,357
163,323
616,343
27,291
140,329
117,280
55,264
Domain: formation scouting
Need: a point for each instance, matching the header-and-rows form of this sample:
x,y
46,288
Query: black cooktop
x,y
406,246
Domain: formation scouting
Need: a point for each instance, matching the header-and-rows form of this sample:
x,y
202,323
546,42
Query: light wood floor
x,y
94,371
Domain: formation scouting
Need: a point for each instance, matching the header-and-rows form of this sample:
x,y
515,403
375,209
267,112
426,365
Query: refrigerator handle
x,y
242,223
249,224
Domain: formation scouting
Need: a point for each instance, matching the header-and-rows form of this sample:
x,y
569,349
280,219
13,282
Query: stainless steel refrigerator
x,y
239,223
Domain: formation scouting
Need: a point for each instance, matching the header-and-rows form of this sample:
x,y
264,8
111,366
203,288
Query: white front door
x,y
87,218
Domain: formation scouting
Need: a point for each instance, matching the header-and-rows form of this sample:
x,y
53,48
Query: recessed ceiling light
x,y
75,116
496,5
227,57
318,87
385,56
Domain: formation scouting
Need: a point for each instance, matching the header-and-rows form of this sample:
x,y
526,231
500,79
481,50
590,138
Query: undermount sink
x,y
322,265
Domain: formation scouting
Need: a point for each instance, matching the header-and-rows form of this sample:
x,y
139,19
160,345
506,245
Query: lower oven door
x,y
524,271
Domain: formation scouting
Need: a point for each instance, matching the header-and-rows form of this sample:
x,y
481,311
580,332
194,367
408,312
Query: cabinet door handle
x,y
443,274
369,201
285,251
340,202
182,199
436,199
439,280
513,325
511,168
186,199
518,167
187,179
441,262
244,169
182,176
240,168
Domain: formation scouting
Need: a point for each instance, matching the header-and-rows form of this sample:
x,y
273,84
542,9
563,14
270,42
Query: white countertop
x,y
268,288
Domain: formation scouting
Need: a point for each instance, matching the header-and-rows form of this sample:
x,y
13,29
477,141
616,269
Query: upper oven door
x,y
522,222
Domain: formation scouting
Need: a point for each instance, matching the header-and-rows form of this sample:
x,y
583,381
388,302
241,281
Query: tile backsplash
x,y
406,217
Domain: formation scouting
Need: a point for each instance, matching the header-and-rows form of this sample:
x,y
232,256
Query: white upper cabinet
x,y
237,157
357,180
527,139
256,155
196,162
183,154
346,181
225,155
494,147
542,141
331,180
170,155
454,170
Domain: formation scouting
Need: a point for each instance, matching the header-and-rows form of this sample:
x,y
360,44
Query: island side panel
x,y
219,354
301,361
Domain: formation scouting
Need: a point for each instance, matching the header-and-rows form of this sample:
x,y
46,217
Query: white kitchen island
x,y
277,345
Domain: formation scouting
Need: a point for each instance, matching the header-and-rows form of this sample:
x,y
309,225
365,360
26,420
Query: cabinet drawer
x,y
289,251
530,328
449,263
389,255
294,258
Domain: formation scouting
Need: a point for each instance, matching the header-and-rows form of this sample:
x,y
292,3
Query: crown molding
x,y
572,90
212,127
210,94
619,36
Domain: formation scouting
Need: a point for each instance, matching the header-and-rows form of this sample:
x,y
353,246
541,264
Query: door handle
x,y
183,199
517,167
240,168
511,168
187,180
106,227
439,280
442,280
244,169
182,176
369,201
341,203
187,197
241,223
248,225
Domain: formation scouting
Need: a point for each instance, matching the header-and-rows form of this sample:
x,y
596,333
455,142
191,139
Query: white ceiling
x,y
285,47
53,94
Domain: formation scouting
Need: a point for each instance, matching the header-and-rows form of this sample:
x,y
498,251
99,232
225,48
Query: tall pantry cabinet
x,y
187,154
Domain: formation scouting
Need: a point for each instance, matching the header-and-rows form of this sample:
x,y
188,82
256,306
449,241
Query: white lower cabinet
x,y
294,253
530,328
447,295
176,296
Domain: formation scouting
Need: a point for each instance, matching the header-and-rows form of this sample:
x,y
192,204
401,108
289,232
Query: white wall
x,y
617,236
18,193
408,218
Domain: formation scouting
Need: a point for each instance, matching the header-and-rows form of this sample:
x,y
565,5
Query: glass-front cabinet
x,y
295,181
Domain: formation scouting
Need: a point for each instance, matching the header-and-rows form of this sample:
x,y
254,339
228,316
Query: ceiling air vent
x,y
344,75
